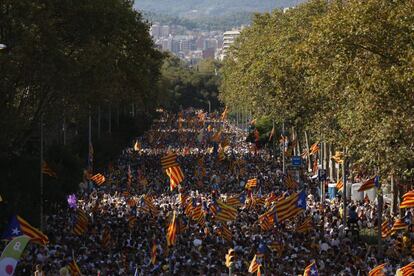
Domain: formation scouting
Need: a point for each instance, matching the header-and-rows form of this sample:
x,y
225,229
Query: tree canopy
x,y
342,70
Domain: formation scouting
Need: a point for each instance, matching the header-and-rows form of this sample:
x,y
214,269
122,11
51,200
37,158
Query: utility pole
x,y
41,173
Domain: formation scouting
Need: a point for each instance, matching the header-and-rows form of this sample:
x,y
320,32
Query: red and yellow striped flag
x,y
35,234
98,178
408,200
47,170
81,223
255,265
339,185
369,184
385,229
406,270
170,160
172,231
251,183
106,238
377,271
399,224
314,149
223,212
305,226
131,222
290,182
225,233
176,176
74,269
154,252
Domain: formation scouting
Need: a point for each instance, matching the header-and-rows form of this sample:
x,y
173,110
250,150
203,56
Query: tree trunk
x,y
99,121
307,151
394,191
110,119
331,164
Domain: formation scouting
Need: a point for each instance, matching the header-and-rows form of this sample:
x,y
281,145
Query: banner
x,y
11,255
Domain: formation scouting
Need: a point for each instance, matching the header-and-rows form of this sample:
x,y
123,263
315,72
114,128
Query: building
x,y
165,30
208,53
210,43
228,39
155,31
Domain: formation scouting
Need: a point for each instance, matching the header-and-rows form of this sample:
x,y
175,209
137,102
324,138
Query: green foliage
x,y
341,70
197,8
183,86
224,22
63,60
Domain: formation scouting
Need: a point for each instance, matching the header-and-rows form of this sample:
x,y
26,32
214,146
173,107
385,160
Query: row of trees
x,y
340,71
184,86
64,61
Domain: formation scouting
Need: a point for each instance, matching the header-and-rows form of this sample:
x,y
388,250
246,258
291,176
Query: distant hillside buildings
x,y
192,45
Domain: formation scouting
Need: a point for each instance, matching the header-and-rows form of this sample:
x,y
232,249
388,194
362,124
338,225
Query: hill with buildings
x,y
201,8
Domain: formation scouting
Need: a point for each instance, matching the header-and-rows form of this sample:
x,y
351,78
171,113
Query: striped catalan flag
x,y
106,238
287,208
406,270
339,184
290,182
47,170
172,231
223,212
81,223
35,234
305,226
176,176
251,183
74,269
385,229
255,265
225,233
369,184
408,200
148,206
170,160
377,271
399,224
314,149
267,221
129,176
154,252
132,220
236,201
311,270
99,179
224,114
221,156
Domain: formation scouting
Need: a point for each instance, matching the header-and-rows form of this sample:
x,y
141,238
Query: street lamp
x,y
2,46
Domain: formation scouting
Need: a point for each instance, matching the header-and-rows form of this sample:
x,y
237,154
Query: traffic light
x,y
229,257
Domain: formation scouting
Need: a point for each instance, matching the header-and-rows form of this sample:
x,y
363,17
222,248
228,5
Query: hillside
x,y
197,8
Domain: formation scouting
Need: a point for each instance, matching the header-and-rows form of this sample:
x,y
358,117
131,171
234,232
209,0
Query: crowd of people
x,y
122,236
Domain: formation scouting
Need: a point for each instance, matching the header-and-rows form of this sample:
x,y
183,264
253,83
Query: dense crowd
x,y
117,207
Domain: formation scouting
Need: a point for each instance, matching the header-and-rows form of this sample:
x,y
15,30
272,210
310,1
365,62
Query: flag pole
x,y
41,173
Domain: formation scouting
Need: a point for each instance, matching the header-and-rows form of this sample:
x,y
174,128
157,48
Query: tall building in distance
x,y
228,39
192,45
